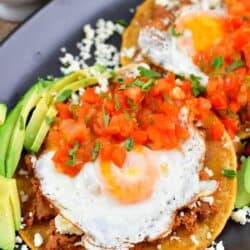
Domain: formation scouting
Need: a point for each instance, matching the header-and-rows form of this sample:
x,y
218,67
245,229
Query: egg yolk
x,y
132,183
206,30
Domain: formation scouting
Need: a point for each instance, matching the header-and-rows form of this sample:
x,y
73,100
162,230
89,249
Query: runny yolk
x,y
206,29
134,182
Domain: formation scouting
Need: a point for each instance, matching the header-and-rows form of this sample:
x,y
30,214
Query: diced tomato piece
x,y
63,110
231,86
216,131
246,51
234,107
119,155
106,151
242,97
203,106
161,122
231,125
73,130
139,136
164,85
90,96
120,125
60,158
53,139
134,93
181,133
186,88
219,101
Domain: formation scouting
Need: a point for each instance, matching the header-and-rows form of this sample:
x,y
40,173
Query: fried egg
x,y
115,207
197,27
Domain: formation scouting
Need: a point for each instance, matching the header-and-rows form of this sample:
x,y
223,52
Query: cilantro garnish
x,y
196,86
235,65
218,62
64,95
167,99
231,174
87,119
117,102
129,144
105,117
174,32
148,73
122,22
72,154
96,150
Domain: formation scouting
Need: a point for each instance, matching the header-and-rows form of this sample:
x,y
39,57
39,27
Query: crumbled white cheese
x,y
24,197
169,4
241,216
38,240
216,246
194,240
63,226
24,247
128,52
19,240
30,214
95,40
182,214
208,199
209,172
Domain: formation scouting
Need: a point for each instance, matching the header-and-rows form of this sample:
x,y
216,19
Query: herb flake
x,y
49,120
105,117
235,65
72,154
217,62
196,86
148,73
64,95
121,22
129,144
231,174
174,32
96,150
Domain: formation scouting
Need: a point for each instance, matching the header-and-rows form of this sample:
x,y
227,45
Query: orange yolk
x,y
132,183
206,29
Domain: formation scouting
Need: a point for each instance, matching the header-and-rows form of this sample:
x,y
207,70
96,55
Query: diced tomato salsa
x,y
146,111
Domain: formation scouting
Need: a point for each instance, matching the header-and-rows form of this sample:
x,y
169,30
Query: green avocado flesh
x,y
243,194
5,134
3,111
17,138
8,214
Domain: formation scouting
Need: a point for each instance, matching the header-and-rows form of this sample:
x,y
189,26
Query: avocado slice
x,y
17,139
3,112
7,227
6,131
35,122
43,129
243,196
9,186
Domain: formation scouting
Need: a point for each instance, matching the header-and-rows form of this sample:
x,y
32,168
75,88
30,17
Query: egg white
x,y
108,224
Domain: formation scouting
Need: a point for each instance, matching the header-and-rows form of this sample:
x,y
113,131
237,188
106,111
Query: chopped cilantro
x,y
96,150
129,144
105,117
117,102
100,68
174,32
235,65
196,86
148,73
72,154
167,99
120,80
122,22
229,173
87,119
64,95
218,62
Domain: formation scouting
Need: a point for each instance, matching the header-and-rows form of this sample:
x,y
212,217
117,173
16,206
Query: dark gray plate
x,y
33,51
